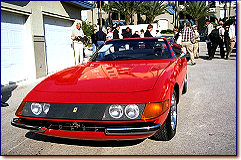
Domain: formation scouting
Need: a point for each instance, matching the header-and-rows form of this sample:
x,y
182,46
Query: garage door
x,y
12,47
58,44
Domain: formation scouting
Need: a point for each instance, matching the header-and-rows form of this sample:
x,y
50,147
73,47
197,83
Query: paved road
x,y
206,120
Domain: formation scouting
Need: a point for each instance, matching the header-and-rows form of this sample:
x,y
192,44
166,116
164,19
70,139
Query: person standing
x,y
127,33
227,40
148,31
116,32
215,40
101,38
196,42
208,30
232,36
135,35
221,31
94,40
78,36
188,40
142,33
109,34
158,34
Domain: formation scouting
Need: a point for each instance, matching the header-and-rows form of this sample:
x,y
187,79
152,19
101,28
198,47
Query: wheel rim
x,y
173,112
185,81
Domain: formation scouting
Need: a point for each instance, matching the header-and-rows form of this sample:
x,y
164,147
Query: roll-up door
x,y
12,47
58,43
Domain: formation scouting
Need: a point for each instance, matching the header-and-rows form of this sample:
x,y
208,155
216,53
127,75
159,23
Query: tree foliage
x,y
88,30
197,10
151,9
127,8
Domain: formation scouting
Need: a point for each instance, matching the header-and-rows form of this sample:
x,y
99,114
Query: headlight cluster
x,y
38,108
33,109
124,112
131,111
136,111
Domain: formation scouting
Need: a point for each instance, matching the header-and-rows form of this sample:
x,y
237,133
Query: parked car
x,y
128,90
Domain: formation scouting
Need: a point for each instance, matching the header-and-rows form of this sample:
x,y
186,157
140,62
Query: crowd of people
x,y
220,36
188,37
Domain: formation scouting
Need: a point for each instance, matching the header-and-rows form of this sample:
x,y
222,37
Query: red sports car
x,y
128,90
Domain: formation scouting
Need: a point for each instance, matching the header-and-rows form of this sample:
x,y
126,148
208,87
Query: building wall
x,y
167,17
34,12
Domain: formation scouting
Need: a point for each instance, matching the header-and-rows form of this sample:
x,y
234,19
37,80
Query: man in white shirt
x,y
232,36
208,30
77,36
195,44
221,31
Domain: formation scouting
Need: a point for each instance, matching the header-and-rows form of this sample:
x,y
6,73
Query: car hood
x,y
122,76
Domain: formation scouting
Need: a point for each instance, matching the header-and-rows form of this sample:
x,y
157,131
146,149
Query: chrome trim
x,y
132,131
15,123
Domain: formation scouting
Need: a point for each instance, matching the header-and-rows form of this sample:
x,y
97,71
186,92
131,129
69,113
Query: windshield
x,y
133,49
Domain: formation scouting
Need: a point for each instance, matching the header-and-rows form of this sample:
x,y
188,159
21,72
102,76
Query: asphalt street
x,y
206,120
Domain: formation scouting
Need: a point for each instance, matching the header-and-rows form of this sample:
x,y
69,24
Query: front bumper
x,y
90,131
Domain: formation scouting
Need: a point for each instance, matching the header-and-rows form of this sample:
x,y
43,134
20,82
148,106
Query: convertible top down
x,y
128,90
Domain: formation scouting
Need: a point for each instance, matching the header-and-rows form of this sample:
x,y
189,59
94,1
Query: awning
x,y
82,4
170,10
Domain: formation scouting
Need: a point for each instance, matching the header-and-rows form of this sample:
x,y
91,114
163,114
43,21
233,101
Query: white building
x,y
35,37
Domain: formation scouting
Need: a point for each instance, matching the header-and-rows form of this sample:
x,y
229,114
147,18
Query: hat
x,y
194,26
78,22
221,22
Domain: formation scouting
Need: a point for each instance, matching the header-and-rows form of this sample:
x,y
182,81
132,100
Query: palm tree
x,y
197,10
127,8
108,9
151,9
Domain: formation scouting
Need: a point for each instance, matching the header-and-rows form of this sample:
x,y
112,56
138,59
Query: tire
x,y
184,90
168,131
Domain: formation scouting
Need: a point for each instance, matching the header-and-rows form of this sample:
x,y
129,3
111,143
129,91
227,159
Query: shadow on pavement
x,y
39,137
6,92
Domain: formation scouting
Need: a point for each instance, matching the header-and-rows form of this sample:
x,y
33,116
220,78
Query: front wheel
x,y
168,131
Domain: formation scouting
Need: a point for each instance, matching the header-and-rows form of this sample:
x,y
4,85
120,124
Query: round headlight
x,y
46,108
36,108
132,111
116,111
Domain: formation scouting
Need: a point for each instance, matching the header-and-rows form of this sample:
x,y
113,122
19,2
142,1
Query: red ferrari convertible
x,y
128,90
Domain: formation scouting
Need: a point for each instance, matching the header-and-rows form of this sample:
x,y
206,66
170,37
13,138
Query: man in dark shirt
x,y
94,40
127,33
116,32
135,35
101,37
148,31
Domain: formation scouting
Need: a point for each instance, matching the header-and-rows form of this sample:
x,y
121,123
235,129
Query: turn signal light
x,y
153,110
20,108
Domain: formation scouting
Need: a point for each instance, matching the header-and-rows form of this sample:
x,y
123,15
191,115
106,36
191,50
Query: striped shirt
x,y
187,35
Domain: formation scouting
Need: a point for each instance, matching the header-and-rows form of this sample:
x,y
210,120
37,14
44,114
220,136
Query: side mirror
x,y
183,52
